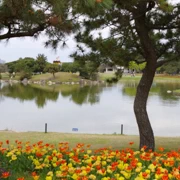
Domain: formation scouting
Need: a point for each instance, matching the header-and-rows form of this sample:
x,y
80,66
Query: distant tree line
x,y
172,68
86,69
28,66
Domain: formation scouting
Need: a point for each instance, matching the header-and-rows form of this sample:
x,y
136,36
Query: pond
x,y
97,109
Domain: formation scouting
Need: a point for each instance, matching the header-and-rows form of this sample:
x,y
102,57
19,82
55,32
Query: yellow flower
x,y
104,163
158,176
13,157
54,165
121,165
18,153
109,171
54,159
88,161
70,165
152,167
92,176
48,178
35,177
139,178
105,178
50,173
117,176
89,151
97,163
138,169
102,172
121,178
9,154
74,176
126,175
139,164
71,170
71,154
170,176
147,171
83,173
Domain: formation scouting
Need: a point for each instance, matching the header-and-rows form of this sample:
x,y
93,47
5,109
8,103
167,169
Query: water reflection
x,y
84,95
158,89
81,95
42,94
28,93
91,109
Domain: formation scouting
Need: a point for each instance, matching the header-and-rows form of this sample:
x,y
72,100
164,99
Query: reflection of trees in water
x,y
162,88
1,94
82,95
1,97
158,88
25,93
129,88
40,94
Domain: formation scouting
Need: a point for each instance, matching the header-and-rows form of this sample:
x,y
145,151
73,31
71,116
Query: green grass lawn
x,y
96,140
177,92
65,77
5,76
104,76
60,76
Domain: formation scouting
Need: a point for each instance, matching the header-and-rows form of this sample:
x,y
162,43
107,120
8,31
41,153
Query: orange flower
x,y
21,178
161,149
7,141
131,143
40,143
144,174
165,177
34,174
5,175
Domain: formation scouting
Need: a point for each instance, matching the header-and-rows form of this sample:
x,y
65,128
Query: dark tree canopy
x,y
125,41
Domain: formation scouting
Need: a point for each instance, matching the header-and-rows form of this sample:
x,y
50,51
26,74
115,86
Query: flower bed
x,y
25,161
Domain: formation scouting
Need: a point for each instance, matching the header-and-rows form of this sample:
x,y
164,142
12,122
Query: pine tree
x,y
140,30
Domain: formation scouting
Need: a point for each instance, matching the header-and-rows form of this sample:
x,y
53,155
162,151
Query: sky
x,y
17,48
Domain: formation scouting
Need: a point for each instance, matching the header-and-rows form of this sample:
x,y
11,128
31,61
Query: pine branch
x,y
31,32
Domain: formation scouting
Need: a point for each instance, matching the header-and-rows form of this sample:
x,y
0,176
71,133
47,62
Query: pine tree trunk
x,y
140,104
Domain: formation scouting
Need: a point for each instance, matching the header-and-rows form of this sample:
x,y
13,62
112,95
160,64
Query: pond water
x,y
91,109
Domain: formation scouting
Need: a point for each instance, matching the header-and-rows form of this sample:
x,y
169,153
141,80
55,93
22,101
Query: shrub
x,y
24,75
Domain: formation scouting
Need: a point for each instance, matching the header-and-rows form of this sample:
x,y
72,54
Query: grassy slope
x,y
97,141
64,77
60,76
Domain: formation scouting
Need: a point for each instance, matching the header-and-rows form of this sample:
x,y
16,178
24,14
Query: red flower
x,y
21,178
7,141
5,175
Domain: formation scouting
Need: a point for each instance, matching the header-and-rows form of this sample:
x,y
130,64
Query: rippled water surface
x,y
95,109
